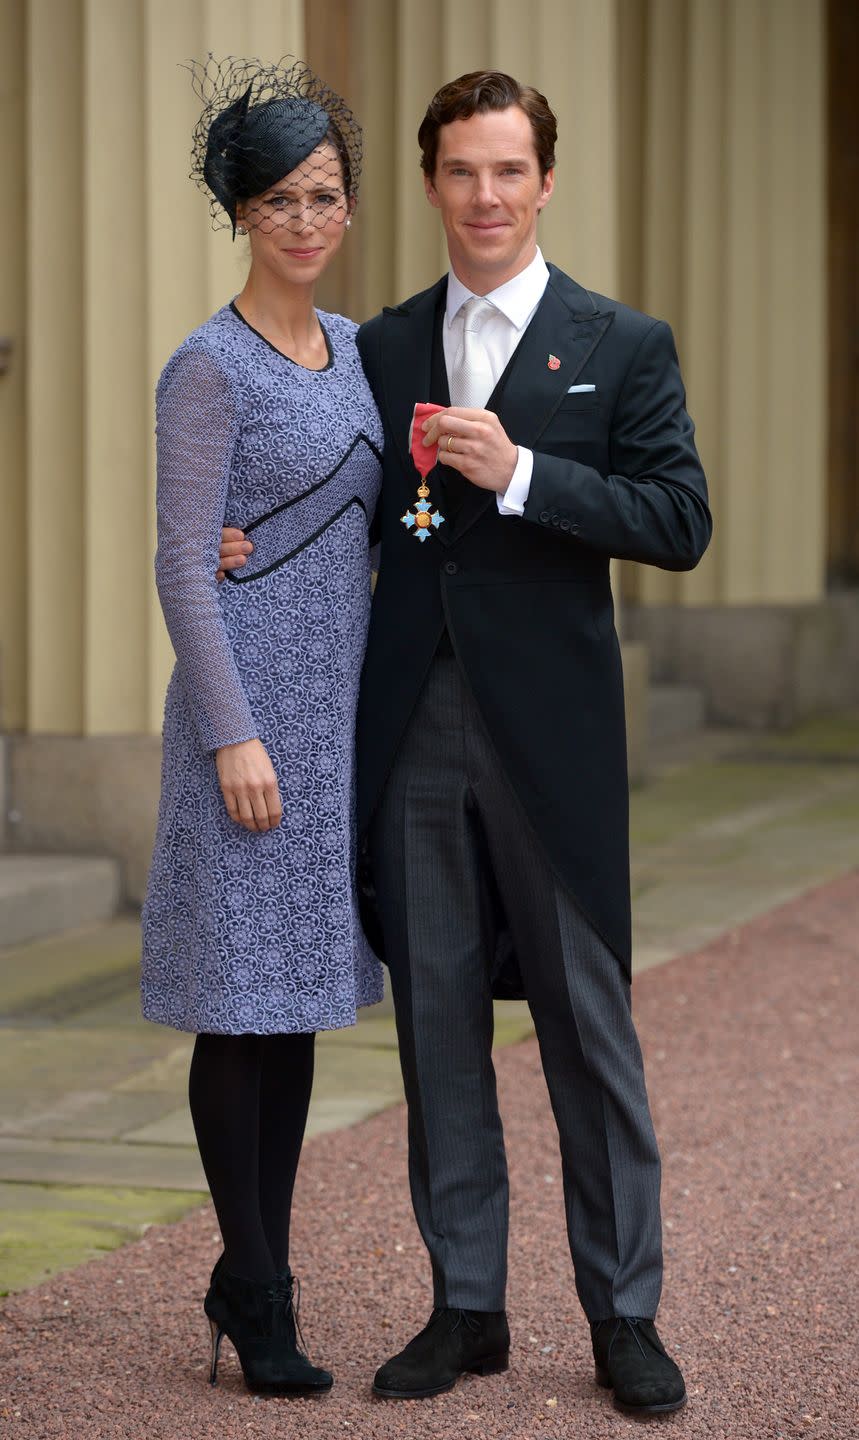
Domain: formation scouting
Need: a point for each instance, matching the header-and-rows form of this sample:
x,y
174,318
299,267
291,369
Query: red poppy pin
x,y
554,362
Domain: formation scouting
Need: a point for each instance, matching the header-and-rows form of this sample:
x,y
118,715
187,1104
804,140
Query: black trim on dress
x,y
276,564
296,499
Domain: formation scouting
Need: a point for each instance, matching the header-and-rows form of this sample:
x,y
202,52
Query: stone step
x,y
45,894
674,711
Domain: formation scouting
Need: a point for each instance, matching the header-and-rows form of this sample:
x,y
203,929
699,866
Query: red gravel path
x,y
752,1061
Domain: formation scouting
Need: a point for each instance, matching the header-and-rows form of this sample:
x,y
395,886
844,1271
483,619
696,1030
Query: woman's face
x,y
297,226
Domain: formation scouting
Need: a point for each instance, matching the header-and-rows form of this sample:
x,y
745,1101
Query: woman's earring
x,y
240,230
349,223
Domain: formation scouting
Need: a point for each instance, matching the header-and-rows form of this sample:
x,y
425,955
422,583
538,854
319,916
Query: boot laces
x,y
632,1323
286,1292
463,1317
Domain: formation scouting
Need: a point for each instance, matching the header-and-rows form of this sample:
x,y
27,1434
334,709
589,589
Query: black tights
x,y
249,1098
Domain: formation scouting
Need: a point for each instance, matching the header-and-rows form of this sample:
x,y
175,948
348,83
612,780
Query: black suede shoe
x,y
262,1322
631,1360
455,1342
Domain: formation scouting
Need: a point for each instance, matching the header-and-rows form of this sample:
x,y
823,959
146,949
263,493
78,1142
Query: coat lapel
x,y
566,326
407,345
407,339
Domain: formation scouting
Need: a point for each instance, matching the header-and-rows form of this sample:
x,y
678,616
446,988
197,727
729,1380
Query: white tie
x,y
472,381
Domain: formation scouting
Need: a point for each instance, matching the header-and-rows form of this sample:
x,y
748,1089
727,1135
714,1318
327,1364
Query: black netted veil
x,y
261,123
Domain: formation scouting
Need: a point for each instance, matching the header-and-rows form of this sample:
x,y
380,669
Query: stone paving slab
x,y
40,1067
720,845
88,1162
91,1115
46,1228
45,968
166,1075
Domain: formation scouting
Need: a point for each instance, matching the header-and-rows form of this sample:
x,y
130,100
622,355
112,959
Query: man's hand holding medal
x,y
474,443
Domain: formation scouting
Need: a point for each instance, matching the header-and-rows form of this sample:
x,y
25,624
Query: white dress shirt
x,y
515,303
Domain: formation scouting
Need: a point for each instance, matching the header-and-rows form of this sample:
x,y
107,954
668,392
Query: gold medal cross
x,y
421,520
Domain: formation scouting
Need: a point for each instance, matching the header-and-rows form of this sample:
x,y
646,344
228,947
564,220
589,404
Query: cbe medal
x,y
421,519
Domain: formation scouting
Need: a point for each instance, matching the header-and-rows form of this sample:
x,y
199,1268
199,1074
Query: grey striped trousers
x,y
451,849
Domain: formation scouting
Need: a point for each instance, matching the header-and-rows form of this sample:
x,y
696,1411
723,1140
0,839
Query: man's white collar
x,y
516,298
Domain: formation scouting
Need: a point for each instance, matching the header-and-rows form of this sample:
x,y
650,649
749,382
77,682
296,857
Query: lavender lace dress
x,y
246,932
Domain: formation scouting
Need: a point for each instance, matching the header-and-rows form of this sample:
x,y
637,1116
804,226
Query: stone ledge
x,y
759,666
85,796
42,895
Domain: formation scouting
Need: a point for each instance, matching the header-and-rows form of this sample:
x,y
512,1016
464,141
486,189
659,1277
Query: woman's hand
x,y
249,785
234,551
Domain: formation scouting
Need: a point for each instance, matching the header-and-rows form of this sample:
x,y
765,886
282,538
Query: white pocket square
x,y
580,389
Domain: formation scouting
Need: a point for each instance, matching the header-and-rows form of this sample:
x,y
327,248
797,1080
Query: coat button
x,y
544,516
565,524
451,567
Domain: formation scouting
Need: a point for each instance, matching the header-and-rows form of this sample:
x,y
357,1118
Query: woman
x,y
251,933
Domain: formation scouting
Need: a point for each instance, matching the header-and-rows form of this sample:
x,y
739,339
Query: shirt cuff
x,y
512,502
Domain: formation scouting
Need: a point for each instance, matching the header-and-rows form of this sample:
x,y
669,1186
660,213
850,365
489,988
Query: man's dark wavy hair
x,y
478,92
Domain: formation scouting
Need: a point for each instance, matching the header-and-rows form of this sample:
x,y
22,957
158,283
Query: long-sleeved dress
x,y
244,931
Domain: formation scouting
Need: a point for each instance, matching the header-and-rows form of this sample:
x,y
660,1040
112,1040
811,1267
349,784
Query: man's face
x,y
489,190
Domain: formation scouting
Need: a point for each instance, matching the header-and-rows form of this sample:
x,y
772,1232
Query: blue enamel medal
x,y
421,520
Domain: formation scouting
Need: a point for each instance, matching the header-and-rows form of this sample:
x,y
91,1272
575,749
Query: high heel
x,y
262,1323
217,1337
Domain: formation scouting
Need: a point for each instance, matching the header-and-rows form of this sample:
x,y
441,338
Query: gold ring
x,y
450,443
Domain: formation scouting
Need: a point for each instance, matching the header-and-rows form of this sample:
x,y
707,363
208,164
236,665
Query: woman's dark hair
x,y
478,92
334,136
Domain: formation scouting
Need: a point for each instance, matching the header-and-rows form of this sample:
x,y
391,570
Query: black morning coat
x,y
527,602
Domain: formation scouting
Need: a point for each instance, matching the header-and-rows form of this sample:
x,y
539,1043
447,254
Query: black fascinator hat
x,y
263,122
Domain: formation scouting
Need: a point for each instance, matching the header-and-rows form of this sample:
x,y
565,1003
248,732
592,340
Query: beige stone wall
x,y
109,264
690,182
726,239
405,49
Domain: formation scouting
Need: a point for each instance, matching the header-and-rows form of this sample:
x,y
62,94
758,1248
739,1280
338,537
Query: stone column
x,y
55,344
13,438
116,401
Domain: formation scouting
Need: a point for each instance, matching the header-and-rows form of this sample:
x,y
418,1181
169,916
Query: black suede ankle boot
x,y
631,1360
455,1342
261,1321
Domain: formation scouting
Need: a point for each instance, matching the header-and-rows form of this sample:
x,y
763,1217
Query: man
x,y
491,743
